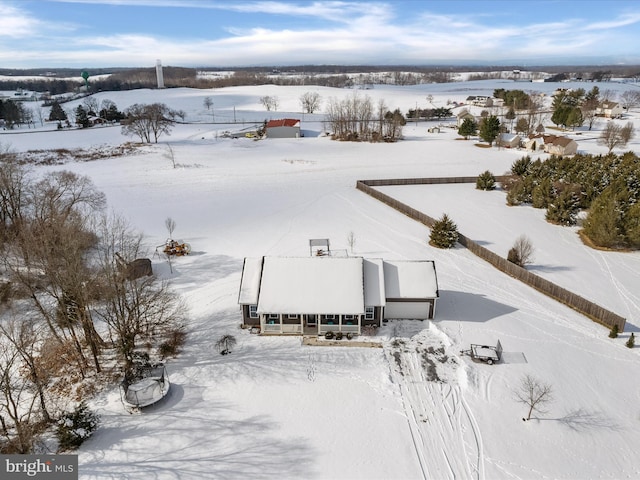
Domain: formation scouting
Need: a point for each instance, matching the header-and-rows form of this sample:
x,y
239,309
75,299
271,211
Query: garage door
x,y
409,310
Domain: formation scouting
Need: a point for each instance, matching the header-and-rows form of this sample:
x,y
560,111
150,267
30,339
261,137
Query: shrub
x,y
339,336
328,335
522,251
444,233
486,181
632,341
171,347
75,427
614,332
513,256
521,167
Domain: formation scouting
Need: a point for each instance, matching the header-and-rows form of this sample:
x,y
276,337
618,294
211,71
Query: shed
x,y
509,140
283,128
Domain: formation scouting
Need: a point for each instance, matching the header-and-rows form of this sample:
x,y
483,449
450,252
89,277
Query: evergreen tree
x,y
82,117
632,341
560,115
510,115
602,224
521,166
542,194
57,112
444,233
574,117
563,210
489,129
486,181
468,128
614,332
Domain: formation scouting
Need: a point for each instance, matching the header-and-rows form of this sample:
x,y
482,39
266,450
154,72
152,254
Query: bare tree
x,y
534,394
48,258
25,336
170,223
149,122
171,155
14,181
91,104
207,102
135,310
522,251
616,136
270,102
630,99
310,101
225,344
351,240
18,406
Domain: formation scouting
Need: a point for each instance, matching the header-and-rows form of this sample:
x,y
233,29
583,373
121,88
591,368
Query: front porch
x,y
310,324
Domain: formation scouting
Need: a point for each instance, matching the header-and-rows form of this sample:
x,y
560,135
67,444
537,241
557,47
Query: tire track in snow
x,y
445,434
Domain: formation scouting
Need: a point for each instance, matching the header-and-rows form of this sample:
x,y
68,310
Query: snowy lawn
x,y
413,409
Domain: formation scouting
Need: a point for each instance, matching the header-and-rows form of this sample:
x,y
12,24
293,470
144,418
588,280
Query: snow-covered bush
x,y
75,427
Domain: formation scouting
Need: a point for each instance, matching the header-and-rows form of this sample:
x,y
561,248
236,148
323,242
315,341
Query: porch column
x,y
318,319
302,324
261,323
340,323
360,317
280,315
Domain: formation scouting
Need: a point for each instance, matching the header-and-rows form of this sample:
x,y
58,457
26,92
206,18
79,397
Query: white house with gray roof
x,y
314,295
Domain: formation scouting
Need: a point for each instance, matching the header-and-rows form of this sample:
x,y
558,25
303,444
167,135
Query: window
x,y
253,311
369,313
292,316
349,317
330,317
273,316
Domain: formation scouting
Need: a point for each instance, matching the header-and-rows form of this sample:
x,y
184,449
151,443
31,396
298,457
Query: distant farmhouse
x,y
609,109
554,144
463,115
317,294
480,101
284,128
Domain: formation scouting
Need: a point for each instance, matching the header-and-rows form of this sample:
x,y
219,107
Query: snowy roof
x,y
250,283
374,295
319,285
410,279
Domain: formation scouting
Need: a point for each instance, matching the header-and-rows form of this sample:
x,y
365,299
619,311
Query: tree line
x,y
606,186
356,118
67,305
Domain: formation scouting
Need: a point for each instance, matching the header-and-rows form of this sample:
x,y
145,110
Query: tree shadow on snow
x,y
196,444
470,307
548,268
580,420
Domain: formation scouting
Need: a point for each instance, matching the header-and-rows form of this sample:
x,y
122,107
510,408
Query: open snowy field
x,y
277,409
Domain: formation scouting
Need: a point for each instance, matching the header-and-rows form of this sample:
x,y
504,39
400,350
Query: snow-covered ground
x,y
415,408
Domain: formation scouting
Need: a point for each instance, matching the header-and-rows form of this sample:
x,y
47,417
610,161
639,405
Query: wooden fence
x,y
578,303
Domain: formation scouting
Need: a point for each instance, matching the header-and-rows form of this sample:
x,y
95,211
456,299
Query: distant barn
x,y
283,128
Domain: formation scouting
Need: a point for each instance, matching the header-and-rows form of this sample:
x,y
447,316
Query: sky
x,y
214,33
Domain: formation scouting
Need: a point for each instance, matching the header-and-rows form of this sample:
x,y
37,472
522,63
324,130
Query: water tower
x,y
159,74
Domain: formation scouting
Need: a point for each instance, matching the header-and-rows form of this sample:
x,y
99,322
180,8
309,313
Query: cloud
x,y
341,32
16,23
